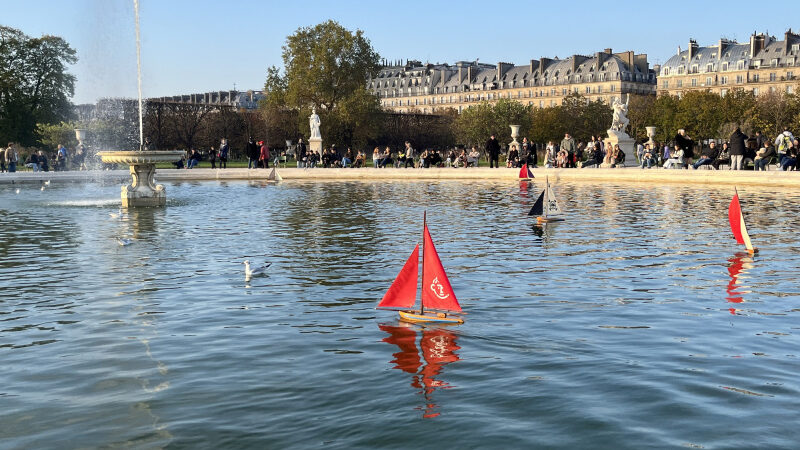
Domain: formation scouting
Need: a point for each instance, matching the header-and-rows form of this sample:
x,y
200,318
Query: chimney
x,y
574,63
692,49
640,61
469,74
502,68
533,66
599,59
607,51
543,63
723,44
757,43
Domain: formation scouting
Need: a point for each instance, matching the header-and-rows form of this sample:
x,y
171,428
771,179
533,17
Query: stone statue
x,y
313,122
620,120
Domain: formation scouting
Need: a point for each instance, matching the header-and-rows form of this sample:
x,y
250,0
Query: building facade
x,y
760,66
431,88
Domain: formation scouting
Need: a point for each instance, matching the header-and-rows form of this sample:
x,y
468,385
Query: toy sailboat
x,y
436,294
738,227
525,173
274,175
546,207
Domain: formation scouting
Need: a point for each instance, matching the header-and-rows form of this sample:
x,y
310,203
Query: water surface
x,y
635,323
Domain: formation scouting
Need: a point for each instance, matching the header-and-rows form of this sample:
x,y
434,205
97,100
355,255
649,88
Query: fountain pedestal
x,y
143,191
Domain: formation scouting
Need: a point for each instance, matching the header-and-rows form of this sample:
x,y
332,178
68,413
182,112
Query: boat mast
x,y
545,204
424,224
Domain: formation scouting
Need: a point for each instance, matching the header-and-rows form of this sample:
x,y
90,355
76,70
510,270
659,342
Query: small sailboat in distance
x,y
739,229
274,175
546,207
525,173
437,294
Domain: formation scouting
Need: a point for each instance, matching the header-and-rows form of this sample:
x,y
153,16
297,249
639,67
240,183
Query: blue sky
x,y
193,46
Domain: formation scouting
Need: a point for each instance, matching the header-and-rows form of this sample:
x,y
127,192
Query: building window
x,y
709,81
680,83
680,70
755,78
599,89
789,89
755,91
694,82
588,89
664,85
563,91
665,72
723,80
774,62
723,92
613,88
789,75
724,67
739,79
740,65
709,67
694,68
773,76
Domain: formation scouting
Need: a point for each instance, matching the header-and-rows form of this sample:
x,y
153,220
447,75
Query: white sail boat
x,y
546,207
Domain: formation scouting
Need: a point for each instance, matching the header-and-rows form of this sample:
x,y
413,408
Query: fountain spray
x,y
139,73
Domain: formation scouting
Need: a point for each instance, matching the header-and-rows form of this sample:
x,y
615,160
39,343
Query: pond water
x,y
634,323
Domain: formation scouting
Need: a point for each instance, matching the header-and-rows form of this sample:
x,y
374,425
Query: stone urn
x,y
142,191
651,131
514,135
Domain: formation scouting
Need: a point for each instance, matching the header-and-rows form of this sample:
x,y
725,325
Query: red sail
x,y
436,290
525,172
735,218
403,292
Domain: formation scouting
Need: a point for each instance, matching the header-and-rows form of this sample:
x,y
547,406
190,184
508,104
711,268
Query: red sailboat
x,y
437,294
525,173
738,227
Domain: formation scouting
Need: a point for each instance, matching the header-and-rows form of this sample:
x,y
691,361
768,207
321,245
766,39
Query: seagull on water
x,y
119,215
42,187
255,271
17,190
47,183
124,241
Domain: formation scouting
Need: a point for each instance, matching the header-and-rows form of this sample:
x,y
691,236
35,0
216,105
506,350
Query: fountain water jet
x,y
143,191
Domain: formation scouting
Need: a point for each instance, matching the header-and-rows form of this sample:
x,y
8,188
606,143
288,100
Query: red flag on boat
x,y
403,292
436,290
525,172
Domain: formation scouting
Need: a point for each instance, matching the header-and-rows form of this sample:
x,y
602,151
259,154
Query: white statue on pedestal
x,y
313,122
620,120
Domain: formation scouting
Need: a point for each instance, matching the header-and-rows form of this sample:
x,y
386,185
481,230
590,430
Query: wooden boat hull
x,y
415,317
548,219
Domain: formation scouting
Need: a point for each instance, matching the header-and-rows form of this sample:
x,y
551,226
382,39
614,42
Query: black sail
x,y
537,209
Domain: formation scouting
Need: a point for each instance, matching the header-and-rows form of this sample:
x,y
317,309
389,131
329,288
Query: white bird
x,y
47,183
119,215
42,187
17,190
249,272
124,241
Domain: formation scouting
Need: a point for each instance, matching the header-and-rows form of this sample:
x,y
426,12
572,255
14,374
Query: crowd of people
x,y
738,152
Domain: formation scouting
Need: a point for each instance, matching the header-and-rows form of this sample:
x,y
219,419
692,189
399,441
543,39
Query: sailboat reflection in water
x,y
438,349
737,270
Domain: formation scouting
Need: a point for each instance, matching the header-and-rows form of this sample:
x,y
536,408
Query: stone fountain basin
x,y
135,157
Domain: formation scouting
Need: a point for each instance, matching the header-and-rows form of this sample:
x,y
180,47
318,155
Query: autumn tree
x,y
326,67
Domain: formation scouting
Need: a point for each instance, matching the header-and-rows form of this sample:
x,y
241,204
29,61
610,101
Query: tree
x,y
327,68
477,123
34,84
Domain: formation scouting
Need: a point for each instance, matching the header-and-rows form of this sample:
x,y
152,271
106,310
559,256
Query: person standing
x,y
686,144
301,154
223,153
263,155
11,158
410,154
493,150
783,142
212,157
252,154
61,158
2,160
568,145
737,148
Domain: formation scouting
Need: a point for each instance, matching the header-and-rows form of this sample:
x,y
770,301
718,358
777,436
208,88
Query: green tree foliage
x,y
477,123
327,68
34,84
577,116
